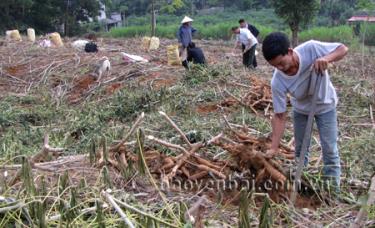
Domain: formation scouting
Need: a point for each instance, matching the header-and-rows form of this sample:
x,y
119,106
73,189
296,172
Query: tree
x,y
76,11
367,5
296,13
44,16
47,15
171,6
336,11
13,13
153,19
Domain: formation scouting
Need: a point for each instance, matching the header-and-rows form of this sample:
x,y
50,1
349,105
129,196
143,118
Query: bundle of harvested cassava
x,y
31,34
154,43
146,42
173,55
258,96
56,39
13,35
150,43
249,152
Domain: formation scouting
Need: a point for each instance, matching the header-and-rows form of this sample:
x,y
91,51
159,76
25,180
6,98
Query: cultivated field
x,y
176,148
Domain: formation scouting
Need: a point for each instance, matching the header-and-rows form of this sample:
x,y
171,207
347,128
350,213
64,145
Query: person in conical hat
x,y
186,20
185,36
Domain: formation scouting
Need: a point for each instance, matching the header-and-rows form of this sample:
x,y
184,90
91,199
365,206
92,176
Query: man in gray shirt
x,y
295,72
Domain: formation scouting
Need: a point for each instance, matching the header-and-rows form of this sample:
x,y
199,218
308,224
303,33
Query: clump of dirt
x,y
81,86
213,107
18,71
111,89
164,82
207,108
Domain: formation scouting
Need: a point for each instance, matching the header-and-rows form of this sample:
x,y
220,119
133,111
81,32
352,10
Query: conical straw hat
x,y
186,19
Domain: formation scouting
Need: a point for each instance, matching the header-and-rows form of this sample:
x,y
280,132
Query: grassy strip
x,y
343,34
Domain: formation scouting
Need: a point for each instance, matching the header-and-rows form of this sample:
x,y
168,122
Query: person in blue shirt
x,y
185,36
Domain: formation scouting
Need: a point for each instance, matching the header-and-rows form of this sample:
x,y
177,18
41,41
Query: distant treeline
x,y
47,15
70,15
218,27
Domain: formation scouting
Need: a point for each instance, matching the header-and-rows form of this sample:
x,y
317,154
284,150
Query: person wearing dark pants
x,y
248,42
249,56
253,30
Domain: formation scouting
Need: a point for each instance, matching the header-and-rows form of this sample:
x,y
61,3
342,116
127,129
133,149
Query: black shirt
x,y
196,55
253,30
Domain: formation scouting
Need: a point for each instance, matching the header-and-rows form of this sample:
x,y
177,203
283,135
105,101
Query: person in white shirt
x,y
248,43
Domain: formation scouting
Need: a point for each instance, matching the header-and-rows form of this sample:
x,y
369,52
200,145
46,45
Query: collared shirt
x,y
299,85
185,35
246,38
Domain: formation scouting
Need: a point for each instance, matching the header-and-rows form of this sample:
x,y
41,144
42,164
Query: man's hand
x,y
321,65
271,153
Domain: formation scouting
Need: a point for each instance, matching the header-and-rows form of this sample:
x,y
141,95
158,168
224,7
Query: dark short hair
x,y
241,20
234,28
191,45
275,44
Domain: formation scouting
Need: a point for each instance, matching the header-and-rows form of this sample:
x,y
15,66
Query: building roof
x,y
362,18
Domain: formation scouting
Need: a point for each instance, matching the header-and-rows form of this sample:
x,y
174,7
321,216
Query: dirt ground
x,y
66,76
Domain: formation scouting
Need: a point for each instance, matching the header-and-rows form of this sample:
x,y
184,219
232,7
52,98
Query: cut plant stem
x,y
110,200
183,136
135,210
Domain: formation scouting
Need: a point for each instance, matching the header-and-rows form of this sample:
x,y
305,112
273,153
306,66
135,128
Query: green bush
x,y
217,26
213,26
264,31
168,31
213,31
368,31
227,16
343,34
131,31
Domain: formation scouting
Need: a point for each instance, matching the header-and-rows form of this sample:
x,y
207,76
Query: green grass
x,y
367,32
232,17
209,26
213,31
343,34
217,26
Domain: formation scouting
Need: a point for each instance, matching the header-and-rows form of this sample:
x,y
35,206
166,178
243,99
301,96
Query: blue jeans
x,y
327,127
